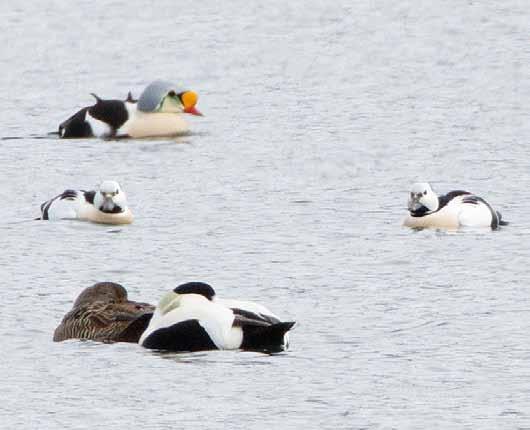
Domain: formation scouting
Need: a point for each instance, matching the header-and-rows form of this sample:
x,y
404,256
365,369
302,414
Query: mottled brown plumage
x,y
103,313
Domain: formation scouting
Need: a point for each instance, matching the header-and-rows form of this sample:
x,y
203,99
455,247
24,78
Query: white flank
x,y
64,209
99,128
454,215
216,320
478,215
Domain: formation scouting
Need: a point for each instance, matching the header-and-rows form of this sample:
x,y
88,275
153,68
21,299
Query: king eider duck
x,y
106,205
189,319
157,113
452,210
103,313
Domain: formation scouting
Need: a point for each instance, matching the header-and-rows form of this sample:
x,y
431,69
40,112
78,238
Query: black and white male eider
x,y
189,318
452,210
106,205
157,113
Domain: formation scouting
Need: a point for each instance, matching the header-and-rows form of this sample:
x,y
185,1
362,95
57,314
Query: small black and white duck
x,y
103,313
190,318
451,211
157,113
105,205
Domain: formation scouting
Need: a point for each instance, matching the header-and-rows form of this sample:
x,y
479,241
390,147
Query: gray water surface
x,y
290,191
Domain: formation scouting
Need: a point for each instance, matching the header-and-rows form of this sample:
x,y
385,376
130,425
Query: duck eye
x,y
171,93
117,192
425,192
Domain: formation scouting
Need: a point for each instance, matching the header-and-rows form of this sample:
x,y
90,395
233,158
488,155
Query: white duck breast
x,y
185,321
160,124
195,325
101,206
453,210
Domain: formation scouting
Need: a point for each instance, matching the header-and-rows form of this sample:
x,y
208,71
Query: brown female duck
x,y
103,313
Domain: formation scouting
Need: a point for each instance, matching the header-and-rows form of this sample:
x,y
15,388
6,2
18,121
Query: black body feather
x,y
185,336
111,112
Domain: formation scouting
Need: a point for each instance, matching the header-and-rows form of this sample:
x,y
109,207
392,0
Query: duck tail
x,y
267,338
501,222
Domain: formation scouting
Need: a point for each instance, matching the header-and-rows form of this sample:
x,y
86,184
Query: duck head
x,y
110,198
102,292
173,299
112,293
164,97
422,197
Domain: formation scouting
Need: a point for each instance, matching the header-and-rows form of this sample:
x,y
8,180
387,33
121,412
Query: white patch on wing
x,y
64,209
132,108
475,215
99,128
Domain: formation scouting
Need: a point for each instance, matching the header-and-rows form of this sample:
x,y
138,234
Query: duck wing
x,y
64,205
242,316
84,322
477,212
105,322
261,332
134,330
265,338
445,199
243,307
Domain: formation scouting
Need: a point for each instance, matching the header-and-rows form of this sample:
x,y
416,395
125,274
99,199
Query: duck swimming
x,y
189,318
103,313
105,205
451,211
157,113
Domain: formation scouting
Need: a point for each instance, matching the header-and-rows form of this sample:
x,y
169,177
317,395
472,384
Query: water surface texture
x,y
290,191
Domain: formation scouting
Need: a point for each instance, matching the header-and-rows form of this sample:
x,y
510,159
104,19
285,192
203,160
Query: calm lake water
x,y
290,191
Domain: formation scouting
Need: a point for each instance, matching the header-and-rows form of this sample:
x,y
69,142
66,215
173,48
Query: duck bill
x,y
414,204
141,308
108,204
167,303
193,111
